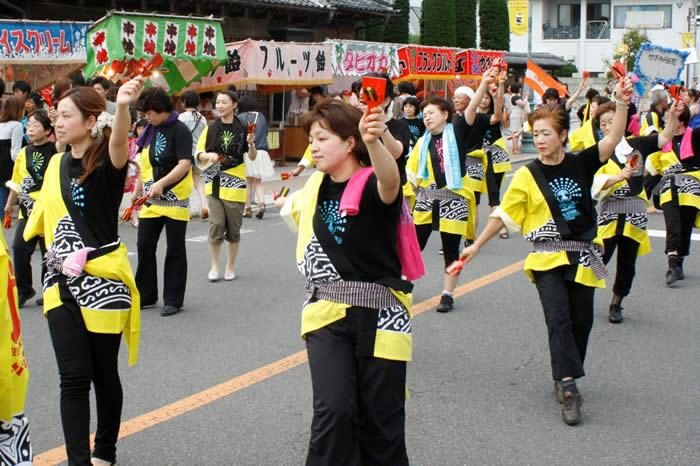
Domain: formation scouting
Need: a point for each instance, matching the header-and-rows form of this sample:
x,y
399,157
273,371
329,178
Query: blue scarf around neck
x,y
450,155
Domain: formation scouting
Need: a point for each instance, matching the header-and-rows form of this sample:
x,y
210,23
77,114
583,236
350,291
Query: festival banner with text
x,y
657,64
517,10
426,63
356,58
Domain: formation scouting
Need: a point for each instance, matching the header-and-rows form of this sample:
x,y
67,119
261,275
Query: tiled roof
x,y
362,5
545,60
374,6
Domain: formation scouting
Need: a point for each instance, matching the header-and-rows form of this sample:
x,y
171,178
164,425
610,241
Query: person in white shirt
x,y
196,122
11,134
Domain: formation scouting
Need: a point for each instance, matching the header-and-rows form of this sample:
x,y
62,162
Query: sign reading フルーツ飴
x,y
659,64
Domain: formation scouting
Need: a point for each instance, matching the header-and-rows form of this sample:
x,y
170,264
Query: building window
x,y
598,20
568,23
644,16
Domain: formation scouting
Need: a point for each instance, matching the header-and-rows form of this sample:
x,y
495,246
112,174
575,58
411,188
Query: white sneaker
x,y
230,276
213,277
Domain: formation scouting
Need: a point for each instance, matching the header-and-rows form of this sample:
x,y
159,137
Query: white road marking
x,y
662,234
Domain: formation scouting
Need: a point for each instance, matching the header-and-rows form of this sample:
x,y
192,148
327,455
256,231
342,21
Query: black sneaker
x,y
675,272
40,302
571,408
615,314
446,304
23,299
169,310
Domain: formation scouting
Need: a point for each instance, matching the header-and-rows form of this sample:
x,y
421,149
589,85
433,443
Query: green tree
x,y
397,29
494,25
371,29
466,23
633,39
439,23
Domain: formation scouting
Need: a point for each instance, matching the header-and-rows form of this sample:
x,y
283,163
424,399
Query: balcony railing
x,y
561,32
597,29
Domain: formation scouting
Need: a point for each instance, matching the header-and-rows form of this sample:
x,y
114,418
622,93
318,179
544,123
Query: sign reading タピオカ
x,y
659,64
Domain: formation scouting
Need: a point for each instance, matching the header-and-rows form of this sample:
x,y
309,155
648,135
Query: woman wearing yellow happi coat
x,y
678,192
444,192
550,201
622,218
90,297
356,319
14,378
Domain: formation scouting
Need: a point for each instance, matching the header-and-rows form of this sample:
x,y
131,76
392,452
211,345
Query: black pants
x,y
679,227
359,400
493,185
175,273
627,249
23,260
568,313
450,242
84,357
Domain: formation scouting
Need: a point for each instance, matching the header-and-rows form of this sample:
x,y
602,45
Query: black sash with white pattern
x,y
354,293
168,203
591,254
428,194
623,205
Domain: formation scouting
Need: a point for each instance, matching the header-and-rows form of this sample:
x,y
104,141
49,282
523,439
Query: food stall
x,y
353,59
273,68
182,48
40,52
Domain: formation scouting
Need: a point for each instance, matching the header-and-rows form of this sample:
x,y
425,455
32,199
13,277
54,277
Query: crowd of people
x,y
387,177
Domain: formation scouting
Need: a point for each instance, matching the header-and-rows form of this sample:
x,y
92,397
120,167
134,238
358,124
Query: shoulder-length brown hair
x,y
89,104
12,109
341,119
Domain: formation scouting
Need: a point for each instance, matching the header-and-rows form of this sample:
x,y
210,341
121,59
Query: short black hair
x,y
155,98
590,93
246,104
190,99
142,122
37,98
77,79
22,86
316,90
102,81
515,88
412,101
407,87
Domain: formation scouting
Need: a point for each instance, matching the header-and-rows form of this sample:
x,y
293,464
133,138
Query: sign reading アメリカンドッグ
x,y
659,64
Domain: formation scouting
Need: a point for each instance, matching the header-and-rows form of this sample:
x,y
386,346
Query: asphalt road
x,y
480,382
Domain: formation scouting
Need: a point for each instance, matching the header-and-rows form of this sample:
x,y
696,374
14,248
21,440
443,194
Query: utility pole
x,y
528,146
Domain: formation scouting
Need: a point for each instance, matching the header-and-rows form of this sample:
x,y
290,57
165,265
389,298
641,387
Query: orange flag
x,y
538,80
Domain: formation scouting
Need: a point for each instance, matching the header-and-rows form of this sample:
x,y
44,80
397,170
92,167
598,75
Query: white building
x,y
587,31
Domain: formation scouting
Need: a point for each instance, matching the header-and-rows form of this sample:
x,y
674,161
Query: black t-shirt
x,y
416,127
399,130
170,144
492,134
97,199
571,182
474,134
368,239
37,160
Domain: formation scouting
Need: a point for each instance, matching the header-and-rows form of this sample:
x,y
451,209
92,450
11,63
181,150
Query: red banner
x,y
472,63
426,63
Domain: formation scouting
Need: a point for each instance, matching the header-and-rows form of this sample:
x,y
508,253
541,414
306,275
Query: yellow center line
x,y
192,402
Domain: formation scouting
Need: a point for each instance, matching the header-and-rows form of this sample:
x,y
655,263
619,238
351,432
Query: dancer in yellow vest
x,y
220,155
550,201
25,185
622,218
166,178
678,194
356,320
90,297
16,447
